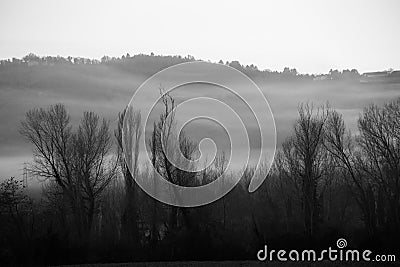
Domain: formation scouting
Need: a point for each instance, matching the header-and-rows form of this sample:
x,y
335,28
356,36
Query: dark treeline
x,y
150,64
325,183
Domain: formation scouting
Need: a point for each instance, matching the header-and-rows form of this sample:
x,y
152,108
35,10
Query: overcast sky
x,y
312,36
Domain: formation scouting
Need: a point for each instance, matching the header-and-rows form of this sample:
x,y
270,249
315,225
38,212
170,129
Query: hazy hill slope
x,y
107,88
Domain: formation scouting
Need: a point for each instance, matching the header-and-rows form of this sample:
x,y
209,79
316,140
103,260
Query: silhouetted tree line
x,y
154,63
325,183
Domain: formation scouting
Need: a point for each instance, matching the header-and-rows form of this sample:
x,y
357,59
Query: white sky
x,y
312,36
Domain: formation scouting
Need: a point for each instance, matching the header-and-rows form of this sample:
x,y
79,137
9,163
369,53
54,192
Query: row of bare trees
x,y
321,152
323,175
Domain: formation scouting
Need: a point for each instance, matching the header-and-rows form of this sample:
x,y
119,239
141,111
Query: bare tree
x,y
17,206
220,163
76,161
343,147
380,143
129,167
305,158
286,185
92,144
164,145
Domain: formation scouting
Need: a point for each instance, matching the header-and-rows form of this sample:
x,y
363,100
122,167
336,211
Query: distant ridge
x,y
150,64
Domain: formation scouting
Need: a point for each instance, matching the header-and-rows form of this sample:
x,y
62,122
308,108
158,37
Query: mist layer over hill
x,y
105,86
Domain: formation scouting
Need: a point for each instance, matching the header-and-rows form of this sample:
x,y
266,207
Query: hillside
x,y
106,86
